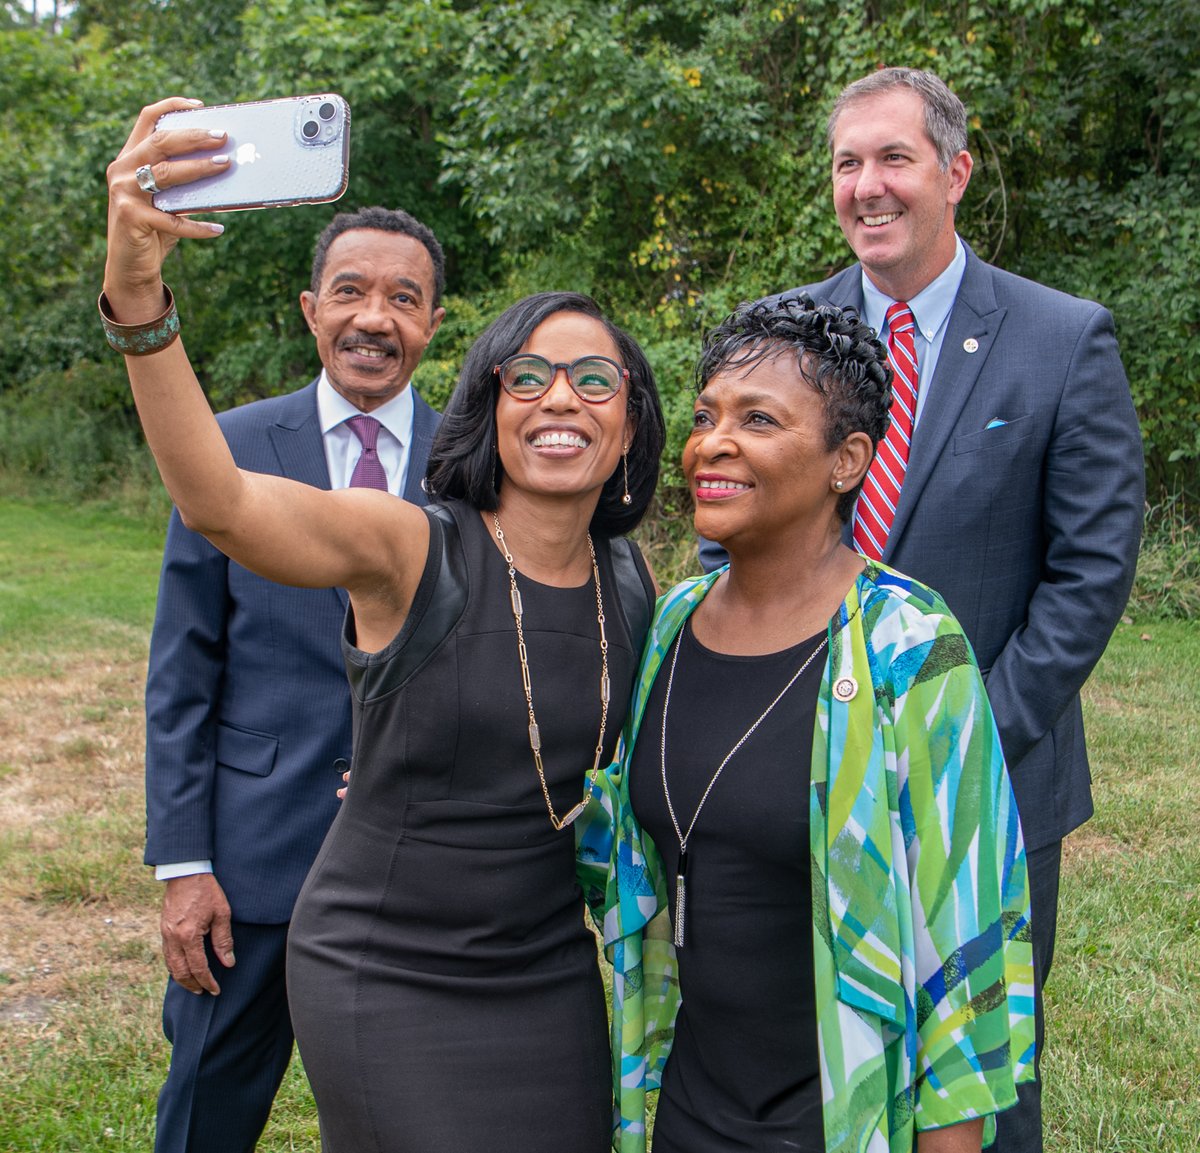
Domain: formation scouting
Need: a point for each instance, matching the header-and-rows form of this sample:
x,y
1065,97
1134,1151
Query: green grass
x,y
1168,576
81,1050
1122,1065
79,910
73,580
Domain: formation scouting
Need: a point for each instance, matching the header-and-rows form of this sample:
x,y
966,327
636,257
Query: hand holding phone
x,y
281,152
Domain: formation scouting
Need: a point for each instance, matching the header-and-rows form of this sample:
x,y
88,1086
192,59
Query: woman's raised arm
x,y
368,542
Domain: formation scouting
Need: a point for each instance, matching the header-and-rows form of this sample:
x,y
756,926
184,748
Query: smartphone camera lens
x,y
310,129
327,111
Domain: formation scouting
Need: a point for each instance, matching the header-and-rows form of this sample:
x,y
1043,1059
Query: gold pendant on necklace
x,y
535,736
561,823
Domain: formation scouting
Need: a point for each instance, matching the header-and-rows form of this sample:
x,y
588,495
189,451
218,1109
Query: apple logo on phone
x,y
247,154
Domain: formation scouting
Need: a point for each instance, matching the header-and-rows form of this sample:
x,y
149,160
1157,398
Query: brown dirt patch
x,y
71,795
1086,844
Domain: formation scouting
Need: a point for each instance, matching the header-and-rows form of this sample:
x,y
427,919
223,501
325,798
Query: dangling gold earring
x,y
626,499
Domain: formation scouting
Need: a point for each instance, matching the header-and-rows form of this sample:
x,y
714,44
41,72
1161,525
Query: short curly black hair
x,y
836,353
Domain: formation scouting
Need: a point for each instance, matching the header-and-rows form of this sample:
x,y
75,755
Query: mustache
x,y
369,340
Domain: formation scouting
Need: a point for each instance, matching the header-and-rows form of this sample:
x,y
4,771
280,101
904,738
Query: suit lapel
x,y
974,322
425,422
296,438
843,290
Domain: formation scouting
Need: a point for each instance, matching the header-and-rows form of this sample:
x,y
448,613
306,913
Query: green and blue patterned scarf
x,y
924,977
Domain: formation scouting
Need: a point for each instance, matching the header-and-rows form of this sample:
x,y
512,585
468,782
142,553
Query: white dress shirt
x,y
342,446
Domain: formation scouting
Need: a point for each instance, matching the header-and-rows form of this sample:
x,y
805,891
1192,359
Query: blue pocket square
x,y
995,422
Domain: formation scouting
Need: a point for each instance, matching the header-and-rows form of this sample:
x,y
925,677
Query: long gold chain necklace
x,y
535,738
681,872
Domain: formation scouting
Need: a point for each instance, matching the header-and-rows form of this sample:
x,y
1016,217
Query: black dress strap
x,y
439,602
635,590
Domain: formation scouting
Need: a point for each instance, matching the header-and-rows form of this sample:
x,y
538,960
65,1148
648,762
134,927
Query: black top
x,y
744,1070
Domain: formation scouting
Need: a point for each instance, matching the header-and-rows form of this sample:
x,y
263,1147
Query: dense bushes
x,y
668,157
73,432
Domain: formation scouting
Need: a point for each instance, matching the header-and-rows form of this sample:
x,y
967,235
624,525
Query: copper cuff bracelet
x,y
141,339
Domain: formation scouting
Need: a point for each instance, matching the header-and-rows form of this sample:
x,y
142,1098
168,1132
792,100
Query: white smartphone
x,y
282,152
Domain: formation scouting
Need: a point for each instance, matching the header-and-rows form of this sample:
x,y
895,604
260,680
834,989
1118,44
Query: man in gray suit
x,y
1021,495
247,701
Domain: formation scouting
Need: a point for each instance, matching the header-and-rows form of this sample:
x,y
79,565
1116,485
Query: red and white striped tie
x,y
881,489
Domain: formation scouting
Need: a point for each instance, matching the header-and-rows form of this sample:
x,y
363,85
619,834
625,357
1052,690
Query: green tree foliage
x,y
1107,203
668,157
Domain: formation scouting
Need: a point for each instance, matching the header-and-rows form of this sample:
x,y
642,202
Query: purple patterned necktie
x,y
368,472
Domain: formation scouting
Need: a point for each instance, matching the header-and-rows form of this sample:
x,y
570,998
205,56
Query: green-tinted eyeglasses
x,y
528,376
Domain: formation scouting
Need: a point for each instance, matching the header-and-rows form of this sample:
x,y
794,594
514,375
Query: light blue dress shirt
x,y
931,309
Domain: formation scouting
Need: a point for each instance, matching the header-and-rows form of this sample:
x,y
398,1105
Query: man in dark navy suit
x,y
1021,497
247,703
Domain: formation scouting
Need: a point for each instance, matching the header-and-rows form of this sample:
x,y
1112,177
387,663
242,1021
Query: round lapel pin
x,y
970,344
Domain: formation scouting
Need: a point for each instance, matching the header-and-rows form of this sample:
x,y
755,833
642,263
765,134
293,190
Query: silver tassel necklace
x,y
680,918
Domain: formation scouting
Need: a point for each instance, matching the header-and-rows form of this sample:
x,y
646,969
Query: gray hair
x,y
945,116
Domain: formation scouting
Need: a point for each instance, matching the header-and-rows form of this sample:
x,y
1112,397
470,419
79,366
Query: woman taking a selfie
x,y
816,793
444,988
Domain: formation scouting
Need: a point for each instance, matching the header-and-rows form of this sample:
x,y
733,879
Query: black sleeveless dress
x,y
443,983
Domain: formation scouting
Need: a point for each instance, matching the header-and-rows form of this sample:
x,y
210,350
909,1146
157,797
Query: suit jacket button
x,y
341,765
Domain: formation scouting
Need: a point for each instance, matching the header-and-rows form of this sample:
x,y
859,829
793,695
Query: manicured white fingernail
x,y
217,228
216,133
192,100
221,158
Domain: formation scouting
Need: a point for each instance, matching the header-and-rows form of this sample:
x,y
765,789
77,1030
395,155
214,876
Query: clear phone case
x,y
282,152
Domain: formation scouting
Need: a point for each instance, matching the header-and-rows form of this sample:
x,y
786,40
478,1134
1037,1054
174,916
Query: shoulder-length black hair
x,y
463,463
